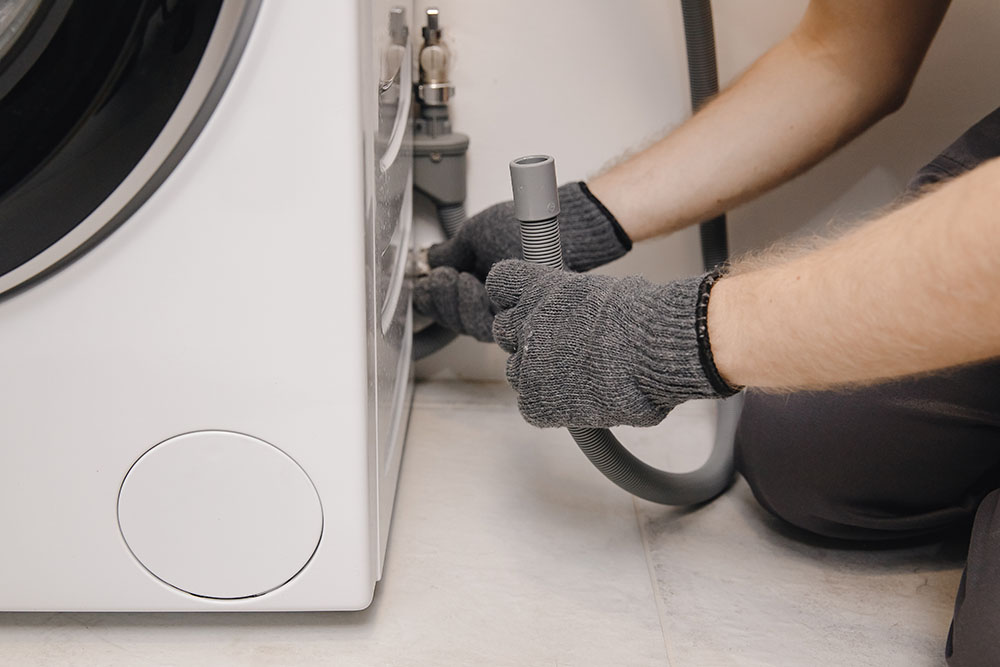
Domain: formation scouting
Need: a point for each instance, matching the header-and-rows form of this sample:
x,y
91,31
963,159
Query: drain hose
x,y
451,217
703,75
536,206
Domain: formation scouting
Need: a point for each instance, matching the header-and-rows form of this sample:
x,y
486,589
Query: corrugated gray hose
x,y
703,75
540,238
451,216
536,206
434,337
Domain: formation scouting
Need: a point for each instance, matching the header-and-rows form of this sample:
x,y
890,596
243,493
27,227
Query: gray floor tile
x,y
507,549
736,587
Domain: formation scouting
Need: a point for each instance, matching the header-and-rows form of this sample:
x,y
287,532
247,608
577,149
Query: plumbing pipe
x,y
438,157
703,75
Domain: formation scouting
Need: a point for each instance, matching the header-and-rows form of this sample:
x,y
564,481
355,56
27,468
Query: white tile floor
x,y
509,549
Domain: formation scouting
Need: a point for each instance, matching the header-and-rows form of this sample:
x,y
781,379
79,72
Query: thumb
x,y
508,279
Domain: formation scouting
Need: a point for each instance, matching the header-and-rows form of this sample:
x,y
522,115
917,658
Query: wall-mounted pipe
x,y
439,168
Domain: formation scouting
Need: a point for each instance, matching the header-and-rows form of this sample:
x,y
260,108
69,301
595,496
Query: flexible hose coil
x,y
703,75
699,39
451,216
541,245
660,486
600,445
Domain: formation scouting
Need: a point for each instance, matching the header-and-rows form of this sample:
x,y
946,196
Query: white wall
x,y
587,80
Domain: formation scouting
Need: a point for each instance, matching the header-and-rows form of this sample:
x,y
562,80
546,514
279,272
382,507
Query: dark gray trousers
x,y
900,460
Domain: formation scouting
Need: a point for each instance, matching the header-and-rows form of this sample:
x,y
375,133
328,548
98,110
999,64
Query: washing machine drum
x,y
91,92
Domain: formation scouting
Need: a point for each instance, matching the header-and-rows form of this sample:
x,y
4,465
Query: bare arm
x,y
846,65
914,291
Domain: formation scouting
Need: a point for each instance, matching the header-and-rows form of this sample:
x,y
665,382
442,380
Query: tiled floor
x,y
508,548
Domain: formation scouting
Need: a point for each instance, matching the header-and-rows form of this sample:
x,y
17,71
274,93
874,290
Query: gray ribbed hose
x,y
451,216
703,75
536,206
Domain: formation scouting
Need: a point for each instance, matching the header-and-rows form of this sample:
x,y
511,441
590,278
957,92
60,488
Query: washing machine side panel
x,y
234,300
387,97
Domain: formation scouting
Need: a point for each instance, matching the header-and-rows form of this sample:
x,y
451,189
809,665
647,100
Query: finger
x,y
453,252
423,298
474,308
437,297
508,278
505,331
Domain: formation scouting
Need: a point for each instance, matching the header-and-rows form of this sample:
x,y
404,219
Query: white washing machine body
x,y
206,378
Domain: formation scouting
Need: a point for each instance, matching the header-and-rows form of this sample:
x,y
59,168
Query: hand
x,y
453,294
456,301
598,351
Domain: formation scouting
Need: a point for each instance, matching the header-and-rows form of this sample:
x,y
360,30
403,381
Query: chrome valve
x,y
434,88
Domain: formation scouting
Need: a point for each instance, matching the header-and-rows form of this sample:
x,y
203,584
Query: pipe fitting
x,y
434,88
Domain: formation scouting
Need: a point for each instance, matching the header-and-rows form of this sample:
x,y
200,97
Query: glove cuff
x,y
678,364
615,225
591,236
715,378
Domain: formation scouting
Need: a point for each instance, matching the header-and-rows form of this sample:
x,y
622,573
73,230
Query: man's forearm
x,y
915,291
847,64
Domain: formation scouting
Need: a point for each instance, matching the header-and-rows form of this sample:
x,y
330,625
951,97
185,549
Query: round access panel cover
x,y
219,514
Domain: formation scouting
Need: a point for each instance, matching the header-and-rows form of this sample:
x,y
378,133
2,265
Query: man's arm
x,y
914,291
847,64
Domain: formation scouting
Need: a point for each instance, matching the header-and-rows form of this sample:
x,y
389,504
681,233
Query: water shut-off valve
x,y
434,88
438,153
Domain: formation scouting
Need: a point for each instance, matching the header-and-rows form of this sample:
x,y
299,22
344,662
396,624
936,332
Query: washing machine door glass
x,y
15,18
90,98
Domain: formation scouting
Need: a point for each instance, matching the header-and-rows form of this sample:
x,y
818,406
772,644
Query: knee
x,y
792,461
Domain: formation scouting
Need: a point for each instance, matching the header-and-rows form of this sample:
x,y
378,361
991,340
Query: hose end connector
x,y
533,180
536,206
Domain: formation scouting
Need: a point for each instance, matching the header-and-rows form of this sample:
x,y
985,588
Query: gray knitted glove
x,y
590,237
457,301
598,351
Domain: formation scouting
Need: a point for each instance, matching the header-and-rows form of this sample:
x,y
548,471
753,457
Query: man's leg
x,y
889,462
885,462
897,460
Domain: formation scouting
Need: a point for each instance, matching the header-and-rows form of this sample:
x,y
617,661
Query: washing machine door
x,y
99,100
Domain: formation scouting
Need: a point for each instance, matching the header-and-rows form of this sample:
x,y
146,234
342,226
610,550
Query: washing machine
x,y
205,215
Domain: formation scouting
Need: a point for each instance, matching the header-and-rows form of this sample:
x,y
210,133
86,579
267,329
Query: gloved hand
x,y
598,351
454,295
456,301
